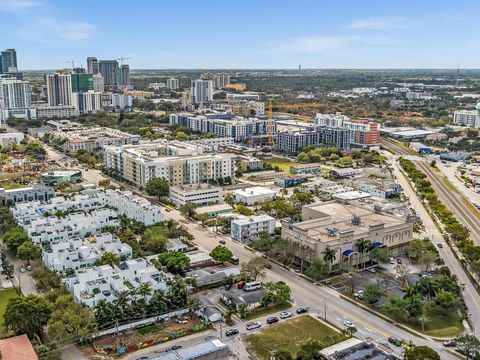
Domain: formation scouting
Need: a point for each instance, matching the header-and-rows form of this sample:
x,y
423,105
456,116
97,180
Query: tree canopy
x,y
221,253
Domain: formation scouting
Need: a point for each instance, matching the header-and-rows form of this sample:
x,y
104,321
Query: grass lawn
x,y
283,164
5,296
148,329
288,336
268,310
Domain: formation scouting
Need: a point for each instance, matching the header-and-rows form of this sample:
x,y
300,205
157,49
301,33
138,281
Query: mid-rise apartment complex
x,y
202,91
468,118
246,228
179,164
15,97
59,89
292,142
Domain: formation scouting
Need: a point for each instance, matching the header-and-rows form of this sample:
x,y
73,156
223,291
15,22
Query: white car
x,y
348,324
359,294
372,270
285,315
253,325
392,260
22,269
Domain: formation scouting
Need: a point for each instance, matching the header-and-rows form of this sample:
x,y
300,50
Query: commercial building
x,y
59,89
381,188
109,71
243,96
344,173
249,163
245,108
213,144
340,227
90,285
470,118
407,133
178,163
199,259
202,91
286,181
132,206
214,349
38,192
214,211
293,142
421,148
94,138
11,138
452,156
77,253
56,177
81,82
200,194
17,348
49,112
313,168
173,84
252,195
92,65
15,97
246,228
223,124
8,61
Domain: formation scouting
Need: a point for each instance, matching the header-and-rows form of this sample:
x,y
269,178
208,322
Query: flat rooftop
x,y
254,191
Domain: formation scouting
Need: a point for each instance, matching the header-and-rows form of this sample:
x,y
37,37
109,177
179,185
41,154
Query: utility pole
x,y
325,309
116,331
221,332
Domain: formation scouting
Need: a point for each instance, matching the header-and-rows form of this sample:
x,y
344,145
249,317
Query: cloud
x,y
46,29
18,6
382,23
323,44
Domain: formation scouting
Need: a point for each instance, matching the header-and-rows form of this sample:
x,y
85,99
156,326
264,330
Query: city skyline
x,y
256,35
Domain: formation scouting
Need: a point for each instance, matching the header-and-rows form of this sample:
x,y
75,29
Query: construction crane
x,y
123,58
270,123
71,62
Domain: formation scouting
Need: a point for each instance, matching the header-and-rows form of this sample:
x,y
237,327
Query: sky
x,y
243,34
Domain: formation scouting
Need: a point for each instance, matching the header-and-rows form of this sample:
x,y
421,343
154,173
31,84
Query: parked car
x,y
22,270
399,261
372,270
449,343
174,347
29,268
241,284
268,266
228,287
302,310
223,242
359,294
392,260
394,341
253,325
348,324
285,315
272,320
231,332
440,245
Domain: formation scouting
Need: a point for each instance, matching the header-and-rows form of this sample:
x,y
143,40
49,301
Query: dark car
x,y
228,287
231,332
302,310
174,347
272,320
449,343
142,358
394,341
399,261
223,242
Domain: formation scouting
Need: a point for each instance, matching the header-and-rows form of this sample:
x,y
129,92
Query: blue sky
x,y
169,34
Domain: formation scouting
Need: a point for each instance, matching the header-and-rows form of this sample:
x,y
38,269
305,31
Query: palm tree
x,y
144,290
329,254
109,258
158,303
364,245
103,313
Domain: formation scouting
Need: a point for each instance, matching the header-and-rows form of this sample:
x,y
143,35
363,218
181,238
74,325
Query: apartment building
x,y
252,195
465,117
213,144
39,192
77,253
180,165
292,142
340,226
90,285
247,228
200,194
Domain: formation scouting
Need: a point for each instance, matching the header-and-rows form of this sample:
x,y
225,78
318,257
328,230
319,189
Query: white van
x,y
254,285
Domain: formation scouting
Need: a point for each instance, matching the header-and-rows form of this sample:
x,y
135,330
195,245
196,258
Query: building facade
x,y
173,84
59,89
109,71
200,194
38,192
202,91
247,228
465,117
294,142
15,97
8,61
92,65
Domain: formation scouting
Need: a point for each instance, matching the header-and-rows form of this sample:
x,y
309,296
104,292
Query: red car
x,y
241,284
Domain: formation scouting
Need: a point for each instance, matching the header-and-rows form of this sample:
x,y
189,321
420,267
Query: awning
x,y
347,252
378,244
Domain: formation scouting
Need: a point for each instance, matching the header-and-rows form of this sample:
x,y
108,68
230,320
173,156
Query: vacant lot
x,y
5,296
288,336
283,164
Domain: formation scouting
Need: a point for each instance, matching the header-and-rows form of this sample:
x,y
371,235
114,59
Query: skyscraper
x,y
109,71
98,84
124,80
9,61
173,84
59,89
92,65
82,82
15,97
202,91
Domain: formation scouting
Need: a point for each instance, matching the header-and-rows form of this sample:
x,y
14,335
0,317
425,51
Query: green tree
x,y
144,290
46,280
154,239
329,254
364,245
414,352
29,251
469,344
283,355
445,299
109,258
310,351
71,320
27,315
158,187
181,136
380,255
221,253
372,294
105,183
254,269
6,219
194,303
277,293
345,161
229,199
302,198
174,261
264,242
243,210
318,269
15,237
188,209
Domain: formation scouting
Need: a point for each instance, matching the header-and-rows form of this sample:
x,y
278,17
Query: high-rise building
x,y
82,82
92,65
220,80
124,78
173,84
15,97
98,84
202,91
9,61
59,89
88,102
109,71
79,70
